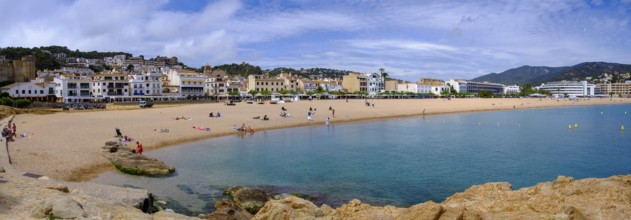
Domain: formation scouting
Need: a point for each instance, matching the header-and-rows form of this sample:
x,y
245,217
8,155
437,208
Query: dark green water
x,y
398,161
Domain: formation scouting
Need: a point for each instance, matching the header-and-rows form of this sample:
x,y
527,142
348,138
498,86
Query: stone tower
x,y
24,70
207,70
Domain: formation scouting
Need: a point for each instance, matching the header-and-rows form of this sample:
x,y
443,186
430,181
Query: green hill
x,y
541,74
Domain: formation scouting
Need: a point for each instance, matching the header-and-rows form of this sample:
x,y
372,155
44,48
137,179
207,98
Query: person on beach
x,y
138,147
242,127
15,131
309,115
327,121
283,108
211,115
5,134
218,115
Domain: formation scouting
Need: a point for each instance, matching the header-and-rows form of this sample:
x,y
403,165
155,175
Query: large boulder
x,y
227,210
61,207
248,199
290,207
127,161
355,209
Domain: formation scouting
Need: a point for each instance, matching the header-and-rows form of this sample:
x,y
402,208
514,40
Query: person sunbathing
x,y
265,118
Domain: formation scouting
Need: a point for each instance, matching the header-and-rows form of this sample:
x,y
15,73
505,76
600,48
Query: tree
x,y
266,93
319,90
253,92
130,68
233,93
310,92
452,90
384,75
485,94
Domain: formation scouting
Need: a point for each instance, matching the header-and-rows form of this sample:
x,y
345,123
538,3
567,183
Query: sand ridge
x,y
67,145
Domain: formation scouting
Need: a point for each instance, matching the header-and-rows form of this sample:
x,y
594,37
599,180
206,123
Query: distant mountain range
x,y
536,75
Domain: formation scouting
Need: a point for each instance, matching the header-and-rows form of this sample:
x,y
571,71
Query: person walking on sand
x,y
327,121
309,115
138,147
333,113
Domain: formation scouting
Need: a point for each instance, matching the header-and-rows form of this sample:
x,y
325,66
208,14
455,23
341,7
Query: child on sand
x,y
138,148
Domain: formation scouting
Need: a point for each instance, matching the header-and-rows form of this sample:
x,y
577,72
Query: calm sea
x,y
400,161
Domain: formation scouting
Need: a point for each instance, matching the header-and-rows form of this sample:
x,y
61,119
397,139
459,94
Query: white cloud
x,y
407,37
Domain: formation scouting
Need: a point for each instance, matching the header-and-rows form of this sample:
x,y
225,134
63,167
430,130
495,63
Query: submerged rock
x,y
125,160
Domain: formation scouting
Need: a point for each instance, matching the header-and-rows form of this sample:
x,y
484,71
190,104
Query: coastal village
x,y
315,110
162,79
32,188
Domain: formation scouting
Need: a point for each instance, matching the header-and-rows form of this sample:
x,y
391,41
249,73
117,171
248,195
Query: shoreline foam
x,y
79,160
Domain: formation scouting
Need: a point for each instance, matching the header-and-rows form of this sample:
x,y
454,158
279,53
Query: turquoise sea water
x,y
400,161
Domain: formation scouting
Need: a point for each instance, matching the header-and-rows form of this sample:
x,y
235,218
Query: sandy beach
x,y
67,145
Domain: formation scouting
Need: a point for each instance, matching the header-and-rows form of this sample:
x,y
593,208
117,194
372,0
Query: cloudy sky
x,y
410,39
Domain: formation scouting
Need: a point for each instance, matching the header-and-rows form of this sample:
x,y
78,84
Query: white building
x,y
148,83
216,83
310,86
108,85
73,87
457,84
34,88
375,84
569,88
407,87
514,89
190,83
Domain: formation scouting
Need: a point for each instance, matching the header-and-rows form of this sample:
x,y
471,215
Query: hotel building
x,y
570,88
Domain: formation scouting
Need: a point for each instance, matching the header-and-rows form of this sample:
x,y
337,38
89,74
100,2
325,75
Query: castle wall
x,y
18,70
6,71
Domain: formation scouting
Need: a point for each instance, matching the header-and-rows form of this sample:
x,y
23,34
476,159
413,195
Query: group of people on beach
x,y
243,128
368,104
211,115
283,112
125,138
9,132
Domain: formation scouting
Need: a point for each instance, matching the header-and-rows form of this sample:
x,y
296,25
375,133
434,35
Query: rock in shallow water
x,y
125,160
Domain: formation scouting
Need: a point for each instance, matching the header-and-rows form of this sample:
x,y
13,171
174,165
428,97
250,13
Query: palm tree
x,y
384,75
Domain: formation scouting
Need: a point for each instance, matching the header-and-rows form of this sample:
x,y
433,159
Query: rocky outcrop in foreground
x,y
125,160
564,198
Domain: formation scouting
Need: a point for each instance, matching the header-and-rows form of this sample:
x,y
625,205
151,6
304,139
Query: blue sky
x,y
410,39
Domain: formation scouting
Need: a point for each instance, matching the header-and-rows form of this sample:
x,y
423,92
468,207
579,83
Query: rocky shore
x,y
564,198
27,197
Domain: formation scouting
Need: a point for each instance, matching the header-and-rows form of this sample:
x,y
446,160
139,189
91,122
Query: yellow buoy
x,y
622,127
569,126
575,125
